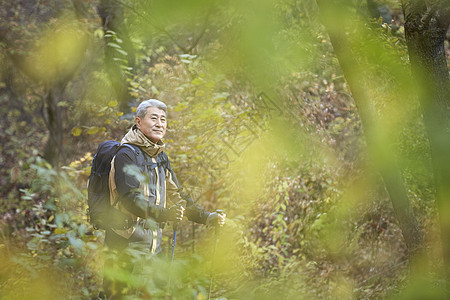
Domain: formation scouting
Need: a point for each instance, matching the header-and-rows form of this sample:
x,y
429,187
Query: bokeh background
x,y
320,127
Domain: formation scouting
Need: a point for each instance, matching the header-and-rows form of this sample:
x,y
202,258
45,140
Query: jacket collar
x,y
136,137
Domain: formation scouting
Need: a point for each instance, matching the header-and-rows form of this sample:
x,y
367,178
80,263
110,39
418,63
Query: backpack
x,y
101,213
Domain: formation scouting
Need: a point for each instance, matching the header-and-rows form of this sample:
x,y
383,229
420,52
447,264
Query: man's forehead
x,y
155,111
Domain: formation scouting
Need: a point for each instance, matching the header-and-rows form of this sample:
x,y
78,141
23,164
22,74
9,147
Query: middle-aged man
x,y
149,197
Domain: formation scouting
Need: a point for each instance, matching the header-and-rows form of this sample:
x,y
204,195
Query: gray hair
x,y
141,110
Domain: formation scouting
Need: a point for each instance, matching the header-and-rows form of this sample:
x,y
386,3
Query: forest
x,y
320,127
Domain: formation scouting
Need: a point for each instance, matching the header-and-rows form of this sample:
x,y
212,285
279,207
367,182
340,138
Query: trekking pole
x,y
216,234
175,229
169,284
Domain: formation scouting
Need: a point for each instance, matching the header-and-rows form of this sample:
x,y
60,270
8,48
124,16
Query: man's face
x,y
153,125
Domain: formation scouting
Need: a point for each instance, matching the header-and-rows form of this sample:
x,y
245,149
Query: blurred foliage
x,y
261,123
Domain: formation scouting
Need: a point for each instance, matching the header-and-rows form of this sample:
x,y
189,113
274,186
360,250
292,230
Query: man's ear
x,y
138,122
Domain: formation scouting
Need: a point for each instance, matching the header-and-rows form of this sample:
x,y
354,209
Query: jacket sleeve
x,y
127,179
175,193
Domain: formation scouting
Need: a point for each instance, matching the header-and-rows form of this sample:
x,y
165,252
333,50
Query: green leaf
x,y
155,90
126,68
121,51
187,56
92,245
77,243
197,81
220,96
114,45
121,60
99,33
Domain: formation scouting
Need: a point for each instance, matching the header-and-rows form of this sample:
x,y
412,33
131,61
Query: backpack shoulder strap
x,y
137,151
162,160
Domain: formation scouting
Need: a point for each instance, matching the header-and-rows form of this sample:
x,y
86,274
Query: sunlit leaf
x,y
114,45
113,103
197,81
76,131
123,52
155,90
92,130
101,130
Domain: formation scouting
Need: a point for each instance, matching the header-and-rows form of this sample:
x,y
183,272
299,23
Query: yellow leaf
x,y
87,171
60,231
92,130
119,114
113,103
76,131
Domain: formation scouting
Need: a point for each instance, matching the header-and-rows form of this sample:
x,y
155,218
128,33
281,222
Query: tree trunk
x,y
111,13
54,152
334,17
426,27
